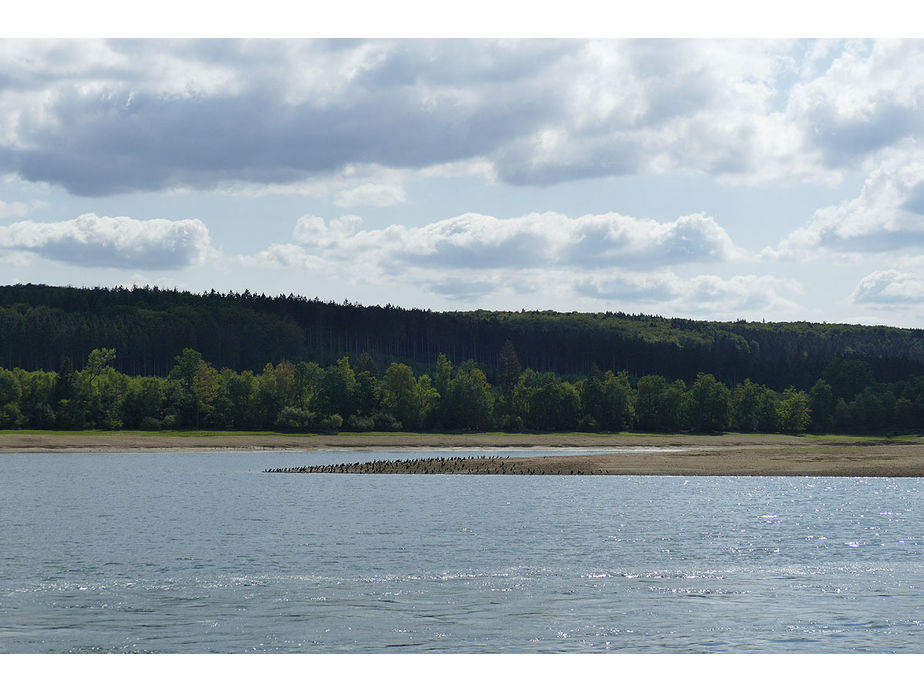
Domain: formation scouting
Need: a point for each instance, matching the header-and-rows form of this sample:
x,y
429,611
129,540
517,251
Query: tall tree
x,y
708,404
508,369
399,395
469,404
821,403
794,412
10,392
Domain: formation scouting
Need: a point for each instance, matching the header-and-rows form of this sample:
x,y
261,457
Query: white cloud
x,y
352,185
709,294
887,215
282,255
93,241
548,240
890,287
13,209
370,195
868,98
474,256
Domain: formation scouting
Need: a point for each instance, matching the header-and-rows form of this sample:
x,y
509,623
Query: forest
x,y
148,358
42,326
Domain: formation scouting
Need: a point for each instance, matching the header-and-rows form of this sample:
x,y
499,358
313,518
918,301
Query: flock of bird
x,y
483,464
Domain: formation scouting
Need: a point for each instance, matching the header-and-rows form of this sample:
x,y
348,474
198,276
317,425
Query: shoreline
x,y
141,441
730,454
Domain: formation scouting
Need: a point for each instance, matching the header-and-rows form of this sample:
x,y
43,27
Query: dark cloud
x,y
132,137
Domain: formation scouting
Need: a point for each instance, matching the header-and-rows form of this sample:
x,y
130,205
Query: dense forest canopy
x,y
42,326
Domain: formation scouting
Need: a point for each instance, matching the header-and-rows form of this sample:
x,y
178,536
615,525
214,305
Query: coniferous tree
x,y
508,369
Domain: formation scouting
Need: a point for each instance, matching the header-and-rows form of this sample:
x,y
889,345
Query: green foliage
x,y
305,397
768,420
821,402
708,404
10,389
427,400
443,375
469,402
648,404
553,405
399,395
295,419
338,389
10,395
606,399
366,393
848,377
746,406
98,361
794,411
508,369
236,404
43,326
194,390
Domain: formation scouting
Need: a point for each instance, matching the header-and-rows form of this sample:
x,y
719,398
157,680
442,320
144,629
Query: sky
x,y
716,178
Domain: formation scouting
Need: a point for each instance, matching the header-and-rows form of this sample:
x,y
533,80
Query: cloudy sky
x,y
715,178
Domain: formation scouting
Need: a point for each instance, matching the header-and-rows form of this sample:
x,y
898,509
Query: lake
x,y
202,552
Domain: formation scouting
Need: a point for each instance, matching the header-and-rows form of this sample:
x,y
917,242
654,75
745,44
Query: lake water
x,y
202,552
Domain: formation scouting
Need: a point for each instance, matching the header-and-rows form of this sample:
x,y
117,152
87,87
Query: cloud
x,y
13,209
462,288
547,240
121,242
103,117
703,293
352,186
867,98
886,216
472,257
370,195
890,287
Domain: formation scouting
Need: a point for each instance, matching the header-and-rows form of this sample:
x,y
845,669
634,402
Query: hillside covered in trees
x,y
42,326
272,364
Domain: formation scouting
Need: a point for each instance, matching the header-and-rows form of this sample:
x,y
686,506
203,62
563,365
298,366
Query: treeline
x,y
307,397
42,326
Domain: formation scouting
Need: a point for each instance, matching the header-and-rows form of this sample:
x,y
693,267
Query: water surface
x,y
202,552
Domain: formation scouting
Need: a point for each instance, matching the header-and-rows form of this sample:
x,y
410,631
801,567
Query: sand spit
x,y
687,455
835,460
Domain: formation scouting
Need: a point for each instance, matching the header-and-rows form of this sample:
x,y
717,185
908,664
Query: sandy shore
x,y
38,441
687,455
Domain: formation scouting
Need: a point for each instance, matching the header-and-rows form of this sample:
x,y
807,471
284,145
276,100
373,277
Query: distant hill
x,y
41,325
